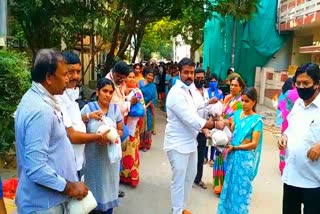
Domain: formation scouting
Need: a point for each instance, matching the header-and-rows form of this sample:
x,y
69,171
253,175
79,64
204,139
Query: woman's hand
x,y
282,142
96,115
148,105
230,148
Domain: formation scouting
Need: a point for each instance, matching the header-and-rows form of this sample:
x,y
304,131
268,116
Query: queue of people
x,y
62,151
66,152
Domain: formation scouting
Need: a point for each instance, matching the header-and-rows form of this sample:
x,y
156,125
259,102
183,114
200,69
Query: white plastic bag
x,y
219,138
83,206
114,148
228,132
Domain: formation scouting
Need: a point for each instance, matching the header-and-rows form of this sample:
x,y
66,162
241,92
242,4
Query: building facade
x,y
302,17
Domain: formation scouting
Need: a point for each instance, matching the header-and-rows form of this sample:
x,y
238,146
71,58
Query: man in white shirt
x,y
201,98
183,126
118,75
72,118
301,140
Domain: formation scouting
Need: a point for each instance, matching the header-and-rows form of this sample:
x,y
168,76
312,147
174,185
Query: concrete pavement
x,y
152,196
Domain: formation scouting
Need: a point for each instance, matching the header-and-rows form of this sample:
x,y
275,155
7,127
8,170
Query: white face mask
x,y
73,93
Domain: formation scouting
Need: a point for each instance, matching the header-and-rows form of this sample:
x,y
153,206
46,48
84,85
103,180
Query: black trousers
x,y
202,141
293,197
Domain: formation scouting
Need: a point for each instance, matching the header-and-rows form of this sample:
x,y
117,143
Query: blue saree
x,y
149,92
242,167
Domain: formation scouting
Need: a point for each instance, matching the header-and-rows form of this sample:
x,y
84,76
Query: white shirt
x,y
203,106
202,101
303,131
72,118
183,122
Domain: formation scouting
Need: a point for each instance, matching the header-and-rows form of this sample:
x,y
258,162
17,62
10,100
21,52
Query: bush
x,y
14,82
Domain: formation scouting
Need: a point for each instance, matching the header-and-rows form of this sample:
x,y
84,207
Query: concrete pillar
x,y
3,22
263,77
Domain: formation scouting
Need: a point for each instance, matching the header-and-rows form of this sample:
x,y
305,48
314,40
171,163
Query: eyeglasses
x,y
303,84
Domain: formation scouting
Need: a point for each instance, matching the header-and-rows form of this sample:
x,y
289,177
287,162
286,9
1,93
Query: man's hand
x,y
206,132
213,100
282,142
96,115
134,100
219,124
104,139
76,190
314,152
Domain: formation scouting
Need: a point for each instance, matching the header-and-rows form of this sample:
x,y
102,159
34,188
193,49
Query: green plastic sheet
x,y
256,42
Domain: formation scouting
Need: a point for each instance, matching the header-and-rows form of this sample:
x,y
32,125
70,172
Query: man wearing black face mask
x,y
201,97
301,140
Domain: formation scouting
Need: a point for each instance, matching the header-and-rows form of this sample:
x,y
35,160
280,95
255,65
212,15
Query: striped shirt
x,y
45,155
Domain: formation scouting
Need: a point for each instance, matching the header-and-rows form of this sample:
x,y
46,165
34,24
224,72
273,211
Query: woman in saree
x,y
243,158
232,103
102,176
130,153
149,92
287,98
138,72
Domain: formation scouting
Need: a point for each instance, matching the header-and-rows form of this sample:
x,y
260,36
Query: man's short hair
x,y
121,68
70,57
45,62
199,70
311,69
185,61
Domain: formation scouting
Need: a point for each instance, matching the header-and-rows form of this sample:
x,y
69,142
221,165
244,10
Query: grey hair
x,y
45,62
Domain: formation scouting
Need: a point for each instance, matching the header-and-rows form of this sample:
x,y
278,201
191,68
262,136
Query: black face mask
x,y
199,83
306,93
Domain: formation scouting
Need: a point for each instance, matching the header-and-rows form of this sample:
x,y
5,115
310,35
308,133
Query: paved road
x,y
152,196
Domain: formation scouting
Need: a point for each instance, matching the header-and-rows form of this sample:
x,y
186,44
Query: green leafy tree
x,y
45,23
14,82
191,24
158,38
240,10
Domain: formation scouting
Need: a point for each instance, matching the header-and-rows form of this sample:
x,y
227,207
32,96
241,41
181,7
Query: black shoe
x,y
121,194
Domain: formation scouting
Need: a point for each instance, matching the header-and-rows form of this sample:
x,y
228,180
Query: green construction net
x,y
256,42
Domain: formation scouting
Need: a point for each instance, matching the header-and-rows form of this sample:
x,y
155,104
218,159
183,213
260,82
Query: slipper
x,y
201,184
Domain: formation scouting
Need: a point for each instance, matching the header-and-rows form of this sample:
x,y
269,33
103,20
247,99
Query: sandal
x,y
201,184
